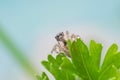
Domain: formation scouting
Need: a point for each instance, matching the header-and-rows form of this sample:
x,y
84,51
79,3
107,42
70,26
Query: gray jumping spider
x,y
62,44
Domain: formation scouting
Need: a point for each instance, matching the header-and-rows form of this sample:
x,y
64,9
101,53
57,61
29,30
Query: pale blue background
x,y
32,24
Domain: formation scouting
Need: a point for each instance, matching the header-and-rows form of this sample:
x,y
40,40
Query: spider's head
x,y
60,36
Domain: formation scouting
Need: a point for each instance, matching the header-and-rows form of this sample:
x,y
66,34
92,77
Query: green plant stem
x,y
19,55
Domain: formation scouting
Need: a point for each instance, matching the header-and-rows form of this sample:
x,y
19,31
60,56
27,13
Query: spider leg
x,y
64,49
60,46
77,36
67,35
73,37
55,49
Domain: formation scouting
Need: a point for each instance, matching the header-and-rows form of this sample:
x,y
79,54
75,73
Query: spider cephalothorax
x,y
61,46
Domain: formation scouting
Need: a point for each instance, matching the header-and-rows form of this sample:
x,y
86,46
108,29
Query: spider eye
x,y
57,37
61,34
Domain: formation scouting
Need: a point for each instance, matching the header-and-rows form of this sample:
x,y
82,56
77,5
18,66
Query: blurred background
x,y
28,27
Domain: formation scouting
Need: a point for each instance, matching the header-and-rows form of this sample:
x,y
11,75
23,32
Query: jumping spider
x,y
61,46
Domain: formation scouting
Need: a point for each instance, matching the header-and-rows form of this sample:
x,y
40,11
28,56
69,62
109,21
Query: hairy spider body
x,y
61,46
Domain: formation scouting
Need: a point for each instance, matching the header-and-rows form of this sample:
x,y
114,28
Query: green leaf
x,y
68,66
112,57
79,55
69,44
110,73
42,77
110,53
54,67
116,60
84,62
38,77
94,59
59,58
46,64
87,61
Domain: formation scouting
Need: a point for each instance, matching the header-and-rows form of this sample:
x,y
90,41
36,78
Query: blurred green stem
x,y
17,53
